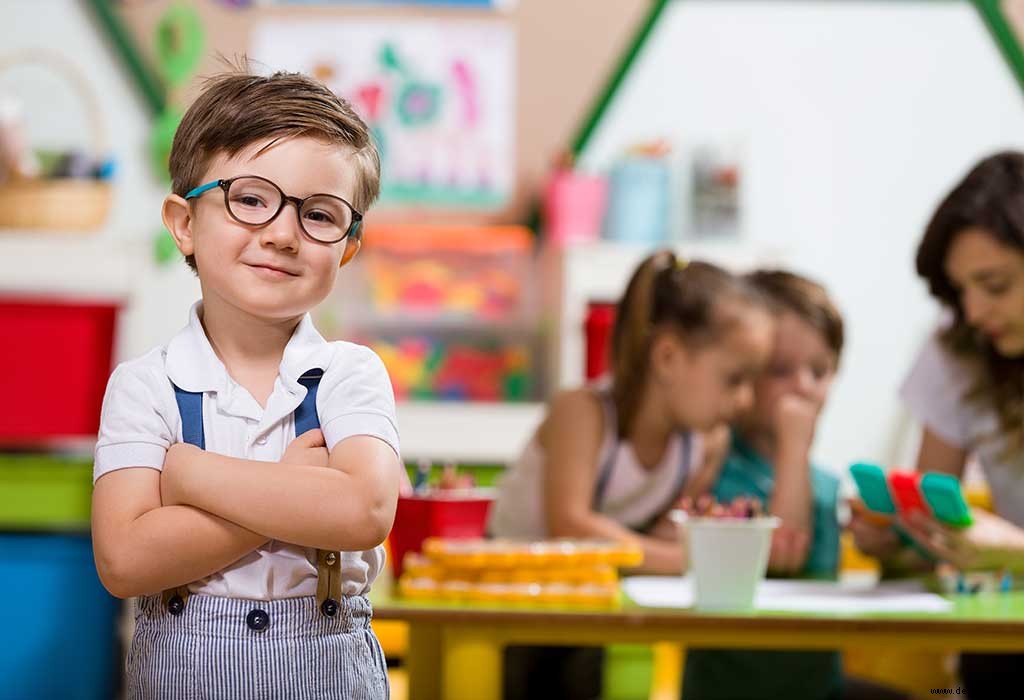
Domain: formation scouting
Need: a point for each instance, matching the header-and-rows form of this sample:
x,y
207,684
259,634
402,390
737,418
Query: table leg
x,y
424,661
472,661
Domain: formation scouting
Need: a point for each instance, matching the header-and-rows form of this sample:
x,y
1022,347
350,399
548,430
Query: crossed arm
x,y
159,529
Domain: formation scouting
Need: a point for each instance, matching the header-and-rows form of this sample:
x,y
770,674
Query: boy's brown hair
x,y
238,108
805,298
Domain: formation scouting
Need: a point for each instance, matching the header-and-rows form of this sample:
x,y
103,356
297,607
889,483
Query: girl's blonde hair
x,y
667,293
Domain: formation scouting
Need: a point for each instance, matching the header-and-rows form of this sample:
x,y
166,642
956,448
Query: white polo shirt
x,y
140,422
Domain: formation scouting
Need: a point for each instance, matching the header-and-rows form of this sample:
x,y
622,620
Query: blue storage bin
x,y
59,632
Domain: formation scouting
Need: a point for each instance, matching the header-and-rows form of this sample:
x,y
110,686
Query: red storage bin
x,y
598,331
454,516
56,356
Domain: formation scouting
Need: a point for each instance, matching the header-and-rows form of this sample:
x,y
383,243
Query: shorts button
x,y
257,620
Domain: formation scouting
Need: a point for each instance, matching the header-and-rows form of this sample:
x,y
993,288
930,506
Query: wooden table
x,y
455,649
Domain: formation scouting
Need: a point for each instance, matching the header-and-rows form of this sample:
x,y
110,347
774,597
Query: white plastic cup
x,y
728,558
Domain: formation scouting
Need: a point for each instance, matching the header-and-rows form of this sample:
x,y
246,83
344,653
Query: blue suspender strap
x,y
328,564
306,418
190,408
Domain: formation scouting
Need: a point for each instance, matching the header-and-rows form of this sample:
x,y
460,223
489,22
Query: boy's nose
x,y
804,382
283,232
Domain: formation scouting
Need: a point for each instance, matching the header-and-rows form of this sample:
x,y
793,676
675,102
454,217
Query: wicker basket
x,y
62,204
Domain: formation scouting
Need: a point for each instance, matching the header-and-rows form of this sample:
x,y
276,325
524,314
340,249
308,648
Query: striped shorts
x,y
220,648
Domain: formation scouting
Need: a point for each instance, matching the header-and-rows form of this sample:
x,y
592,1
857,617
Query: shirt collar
x,y
193,365
306,350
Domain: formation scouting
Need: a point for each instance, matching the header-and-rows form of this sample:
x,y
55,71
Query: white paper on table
x,y
797,596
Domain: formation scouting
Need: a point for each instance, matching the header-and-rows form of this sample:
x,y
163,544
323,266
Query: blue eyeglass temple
x,y
202,188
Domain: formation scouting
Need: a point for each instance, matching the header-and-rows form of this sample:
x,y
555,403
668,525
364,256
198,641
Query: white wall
x,y
116,260
855,118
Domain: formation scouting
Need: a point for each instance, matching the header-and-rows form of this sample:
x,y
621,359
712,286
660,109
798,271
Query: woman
x,y
967,386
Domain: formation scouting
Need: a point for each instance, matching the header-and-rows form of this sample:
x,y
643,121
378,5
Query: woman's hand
x,y
875,539
990,543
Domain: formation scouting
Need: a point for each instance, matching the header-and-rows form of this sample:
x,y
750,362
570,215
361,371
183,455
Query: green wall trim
x,y
618,75
991,12
151,86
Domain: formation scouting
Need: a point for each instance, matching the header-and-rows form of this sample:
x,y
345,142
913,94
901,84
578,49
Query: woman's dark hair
x,y
668,293
989,198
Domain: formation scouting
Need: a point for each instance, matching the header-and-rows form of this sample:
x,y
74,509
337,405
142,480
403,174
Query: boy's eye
x,y
737,378
319,217
249,200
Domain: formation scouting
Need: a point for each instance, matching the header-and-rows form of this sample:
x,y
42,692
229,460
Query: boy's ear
x,y
178,220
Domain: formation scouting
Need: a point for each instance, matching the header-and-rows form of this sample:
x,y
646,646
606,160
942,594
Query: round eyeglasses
x,y
256,201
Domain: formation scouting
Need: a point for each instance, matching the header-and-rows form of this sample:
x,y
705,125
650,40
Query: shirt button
x,y
331,558
257,620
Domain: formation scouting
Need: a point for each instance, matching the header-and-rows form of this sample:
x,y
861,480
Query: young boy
x,y
248,470
769,460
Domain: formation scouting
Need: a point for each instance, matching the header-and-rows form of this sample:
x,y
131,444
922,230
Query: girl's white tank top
x,y
624,490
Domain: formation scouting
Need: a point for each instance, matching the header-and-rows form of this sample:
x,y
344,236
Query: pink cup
x,y
574,206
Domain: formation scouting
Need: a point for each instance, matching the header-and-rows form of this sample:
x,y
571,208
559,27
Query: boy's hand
x,y
794,422
308,449
171,489
789,550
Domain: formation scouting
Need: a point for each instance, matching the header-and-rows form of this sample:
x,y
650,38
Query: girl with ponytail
x,y
611,459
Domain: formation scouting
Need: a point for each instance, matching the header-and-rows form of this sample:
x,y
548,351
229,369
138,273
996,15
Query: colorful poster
x,y
439,97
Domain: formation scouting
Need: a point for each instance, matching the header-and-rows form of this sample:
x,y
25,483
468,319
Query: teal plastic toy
x,y
944,496
873,487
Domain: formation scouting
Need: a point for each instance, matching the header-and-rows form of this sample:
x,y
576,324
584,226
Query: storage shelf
x,y
471,432
58,263
447,324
